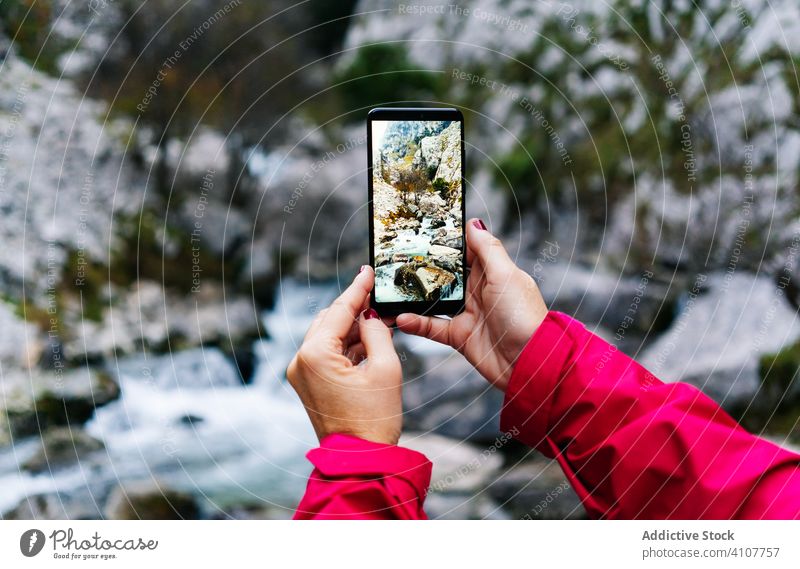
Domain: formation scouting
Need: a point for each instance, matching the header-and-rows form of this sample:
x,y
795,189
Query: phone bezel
x,y
437,307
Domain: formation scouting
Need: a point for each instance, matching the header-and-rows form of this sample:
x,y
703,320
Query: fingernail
x,y
361,270
478,223
369,313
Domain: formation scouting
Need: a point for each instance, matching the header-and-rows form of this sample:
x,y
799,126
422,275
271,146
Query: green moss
x,y
381,74
148,249
778,373
776,407
28,23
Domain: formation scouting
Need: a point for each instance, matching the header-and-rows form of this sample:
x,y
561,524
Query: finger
x,y
377,339
488,250
341,314
436,329
356,353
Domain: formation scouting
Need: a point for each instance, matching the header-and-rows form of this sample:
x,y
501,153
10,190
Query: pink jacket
x,y
630,445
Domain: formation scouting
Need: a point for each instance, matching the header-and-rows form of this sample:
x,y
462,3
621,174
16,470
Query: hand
x,y
347,372
503,309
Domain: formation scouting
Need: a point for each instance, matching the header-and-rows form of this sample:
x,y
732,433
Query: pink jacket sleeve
x,y
634,447
358,479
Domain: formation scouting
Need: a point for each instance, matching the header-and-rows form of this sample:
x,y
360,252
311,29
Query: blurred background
x,y
183,186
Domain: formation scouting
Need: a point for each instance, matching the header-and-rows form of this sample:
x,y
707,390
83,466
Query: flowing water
x,y
412,244
186,421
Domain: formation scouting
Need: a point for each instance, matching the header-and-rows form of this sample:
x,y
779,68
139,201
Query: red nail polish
x,y
370,313
478,223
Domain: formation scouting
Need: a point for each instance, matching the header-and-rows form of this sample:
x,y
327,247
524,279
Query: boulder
x,y
79,504
640,305
149,501
434,282
41,400
458,466
436,222
387,236
149,316
718,338
536,488
444,394
451,240
61,447
443,251
450,164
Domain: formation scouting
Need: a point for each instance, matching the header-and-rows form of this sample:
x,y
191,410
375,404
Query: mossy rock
x,y
147,501
49,399
61,447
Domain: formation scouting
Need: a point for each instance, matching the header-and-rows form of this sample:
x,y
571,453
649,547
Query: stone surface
x,y
148,501
716,341
444,394
40,400
434,282
536,488
61,447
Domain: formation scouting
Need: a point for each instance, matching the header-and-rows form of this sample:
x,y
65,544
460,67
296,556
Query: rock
x,y
198,368
20,345
447,396
387,236
437,222
61,447
406,279
458,466
451,240
441,154
443,251
717,340
434,282
432,205
149,317
43,400
594,295
190,420
463,506
447,263
536,489
383,258
80,504
406,223
148,501
450,165
399,258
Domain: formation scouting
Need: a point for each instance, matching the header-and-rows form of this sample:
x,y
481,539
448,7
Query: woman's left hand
x,y
347,372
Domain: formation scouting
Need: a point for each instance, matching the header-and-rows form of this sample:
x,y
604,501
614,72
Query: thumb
x,y
377,340
488,249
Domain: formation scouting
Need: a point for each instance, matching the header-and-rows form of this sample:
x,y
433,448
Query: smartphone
x,y
416,210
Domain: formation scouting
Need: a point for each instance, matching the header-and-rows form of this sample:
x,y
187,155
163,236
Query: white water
x,y
412,244
248,446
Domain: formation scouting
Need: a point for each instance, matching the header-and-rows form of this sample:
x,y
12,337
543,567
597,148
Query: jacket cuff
x,y
345,456
535,379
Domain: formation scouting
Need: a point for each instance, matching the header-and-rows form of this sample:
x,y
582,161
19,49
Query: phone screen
x,y
417,211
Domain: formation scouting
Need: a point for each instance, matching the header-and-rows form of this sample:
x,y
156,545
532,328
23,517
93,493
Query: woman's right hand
x,y
503,309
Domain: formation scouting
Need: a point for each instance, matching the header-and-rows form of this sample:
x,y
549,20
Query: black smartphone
x,y
416,210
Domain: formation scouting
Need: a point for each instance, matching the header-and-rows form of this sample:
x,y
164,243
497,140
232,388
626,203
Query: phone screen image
x,y
417,212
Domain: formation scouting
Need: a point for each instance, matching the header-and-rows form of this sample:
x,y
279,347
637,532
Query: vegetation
x,y
382,73
411,183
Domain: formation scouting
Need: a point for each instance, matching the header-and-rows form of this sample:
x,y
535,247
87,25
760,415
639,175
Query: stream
x,y
186,421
